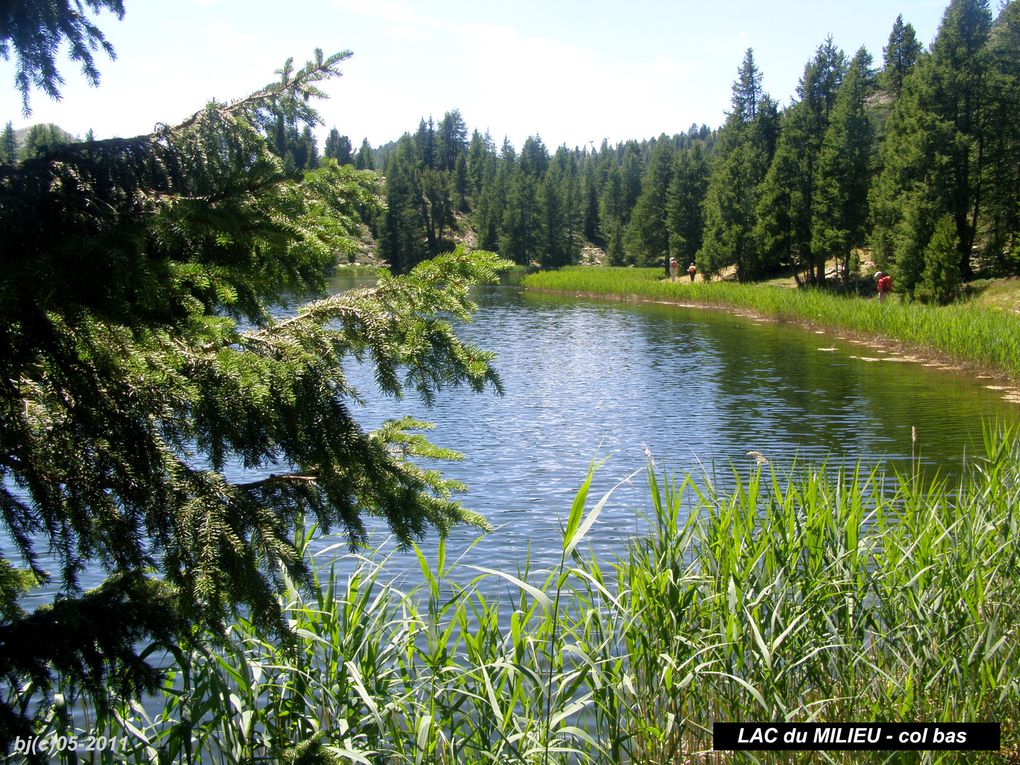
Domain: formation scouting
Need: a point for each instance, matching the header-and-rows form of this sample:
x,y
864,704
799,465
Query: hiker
x,y
884,284
674,269
691,271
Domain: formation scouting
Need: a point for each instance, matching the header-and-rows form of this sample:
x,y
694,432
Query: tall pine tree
x,y
743,152
646,238
839,216
933,152
787,198
685,217
900,55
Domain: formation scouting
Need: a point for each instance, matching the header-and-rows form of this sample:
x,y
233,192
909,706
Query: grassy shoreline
x,y
975,337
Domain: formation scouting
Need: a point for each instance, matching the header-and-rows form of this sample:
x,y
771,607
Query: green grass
x,y
800,595
971,333
1001,294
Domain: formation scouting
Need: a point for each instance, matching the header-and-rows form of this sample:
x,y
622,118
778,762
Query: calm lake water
x,y
697,389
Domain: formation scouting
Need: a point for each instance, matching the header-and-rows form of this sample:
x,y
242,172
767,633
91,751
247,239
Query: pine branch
x,y
294,89
127,384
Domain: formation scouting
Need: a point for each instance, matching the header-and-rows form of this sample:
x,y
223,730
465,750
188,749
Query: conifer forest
x,y
913,158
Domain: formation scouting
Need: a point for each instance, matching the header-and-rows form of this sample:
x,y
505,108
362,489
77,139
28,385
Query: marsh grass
x,y
971,333
805,595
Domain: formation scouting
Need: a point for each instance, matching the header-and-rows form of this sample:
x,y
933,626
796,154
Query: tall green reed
x,y
807,594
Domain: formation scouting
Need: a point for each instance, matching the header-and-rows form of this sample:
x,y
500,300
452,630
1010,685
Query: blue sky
x,y
571,72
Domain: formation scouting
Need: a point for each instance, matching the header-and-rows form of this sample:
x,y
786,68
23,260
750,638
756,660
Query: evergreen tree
x,y
941,278
365,158
8,144
139,361
685,198
523,233
956,97
425,143
451,140
561,200
43,138
743,153
618,184
613,215
932,155
747,91
593,179
401,241
913,230
782,224
460,184
730,211
488,214
487,189
902,160
339,147
839,216
437,209
534,158
521,230
553,202
1001,165
632,171
646,238
419,204
900,54
306,151
36,30
787,197
481,163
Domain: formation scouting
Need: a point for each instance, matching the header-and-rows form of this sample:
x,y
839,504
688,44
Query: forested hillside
x,y
913,163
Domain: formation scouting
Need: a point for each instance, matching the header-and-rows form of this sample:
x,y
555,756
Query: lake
x,y
696,389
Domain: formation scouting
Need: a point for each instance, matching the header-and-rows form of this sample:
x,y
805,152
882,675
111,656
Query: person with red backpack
x,y
884,284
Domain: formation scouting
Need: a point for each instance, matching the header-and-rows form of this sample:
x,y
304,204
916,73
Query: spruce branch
x,y
129,384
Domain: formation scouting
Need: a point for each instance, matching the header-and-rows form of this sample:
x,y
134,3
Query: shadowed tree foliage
x,y
140,366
